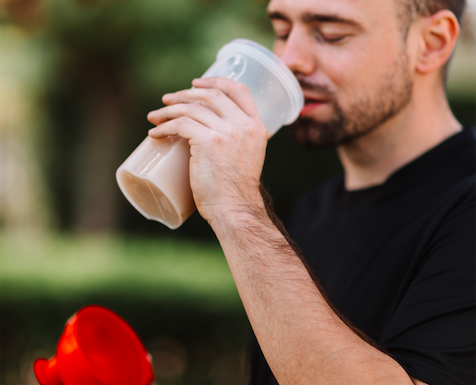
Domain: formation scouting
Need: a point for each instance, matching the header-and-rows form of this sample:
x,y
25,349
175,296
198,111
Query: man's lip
x,y
311,104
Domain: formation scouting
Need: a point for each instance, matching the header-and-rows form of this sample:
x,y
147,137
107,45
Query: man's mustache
x,y
320,89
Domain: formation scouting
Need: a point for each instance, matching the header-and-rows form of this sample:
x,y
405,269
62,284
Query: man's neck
x,y
422,125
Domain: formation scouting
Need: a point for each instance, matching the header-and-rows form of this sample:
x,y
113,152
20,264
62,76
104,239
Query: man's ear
x,y
438,38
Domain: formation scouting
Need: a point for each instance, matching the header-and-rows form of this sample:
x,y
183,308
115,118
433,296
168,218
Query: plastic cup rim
x,y
273,64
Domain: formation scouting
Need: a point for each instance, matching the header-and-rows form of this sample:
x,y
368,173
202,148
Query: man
x,y
392,243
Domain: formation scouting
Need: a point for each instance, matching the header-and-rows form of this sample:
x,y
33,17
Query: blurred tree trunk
x,y
24,203
95,191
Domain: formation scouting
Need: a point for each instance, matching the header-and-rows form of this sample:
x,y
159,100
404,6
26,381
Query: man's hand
x,y
227,143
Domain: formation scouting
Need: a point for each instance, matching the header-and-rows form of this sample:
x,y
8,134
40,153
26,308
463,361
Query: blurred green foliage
x,y
159,45
163,269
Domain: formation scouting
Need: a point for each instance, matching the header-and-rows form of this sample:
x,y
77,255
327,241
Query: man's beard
x,y
362,117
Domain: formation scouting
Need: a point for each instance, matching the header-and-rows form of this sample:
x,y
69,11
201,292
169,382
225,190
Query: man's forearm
x,y
302,338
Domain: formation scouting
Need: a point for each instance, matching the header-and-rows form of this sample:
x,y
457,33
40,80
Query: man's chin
x,y
310,133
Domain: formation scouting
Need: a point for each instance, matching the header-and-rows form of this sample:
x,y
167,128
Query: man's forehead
x,y
360,11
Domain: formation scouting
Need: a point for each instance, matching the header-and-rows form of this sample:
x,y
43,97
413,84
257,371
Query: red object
x,y
97,347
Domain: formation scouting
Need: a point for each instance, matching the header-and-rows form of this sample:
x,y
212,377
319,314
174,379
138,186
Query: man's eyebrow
x,y
277,16
327,18
314,17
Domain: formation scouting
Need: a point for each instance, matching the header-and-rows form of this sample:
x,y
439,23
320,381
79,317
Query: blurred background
x,y
77,79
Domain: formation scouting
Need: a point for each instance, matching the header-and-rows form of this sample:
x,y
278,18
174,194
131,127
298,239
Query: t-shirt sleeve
x,y
432,333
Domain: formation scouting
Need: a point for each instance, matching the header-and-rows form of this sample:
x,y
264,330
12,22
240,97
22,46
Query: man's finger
x,y
237,92
184,127
193,111
212,98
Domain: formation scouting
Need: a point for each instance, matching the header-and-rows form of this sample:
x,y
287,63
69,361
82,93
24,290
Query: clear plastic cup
x,y
155,177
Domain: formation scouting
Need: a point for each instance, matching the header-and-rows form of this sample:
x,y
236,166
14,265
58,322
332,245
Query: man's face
x,y
350,58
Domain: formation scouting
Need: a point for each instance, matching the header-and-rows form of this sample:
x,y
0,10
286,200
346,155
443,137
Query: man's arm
x,y
303,339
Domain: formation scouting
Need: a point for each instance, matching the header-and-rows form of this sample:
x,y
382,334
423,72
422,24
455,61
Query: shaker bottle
x,y
155,177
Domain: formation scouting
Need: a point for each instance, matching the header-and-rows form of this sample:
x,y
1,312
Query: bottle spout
x,y
46,371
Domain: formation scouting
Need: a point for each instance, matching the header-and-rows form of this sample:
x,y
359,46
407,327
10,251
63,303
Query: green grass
x,y
160,269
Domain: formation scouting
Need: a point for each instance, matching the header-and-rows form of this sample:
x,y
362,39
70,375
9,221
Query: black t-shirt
x,y
398,260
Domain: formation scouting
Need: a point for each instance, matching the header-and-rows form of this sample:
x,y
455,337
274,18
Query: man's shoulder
x,y
457,173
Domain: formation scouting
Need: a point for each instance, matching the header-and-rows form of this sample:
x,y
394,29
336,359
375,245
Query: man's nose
x,y
297,55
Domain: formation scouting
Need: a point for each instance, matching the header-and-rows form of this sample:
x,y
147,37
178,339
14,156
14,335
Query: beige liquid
x,y
155,180
148,198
